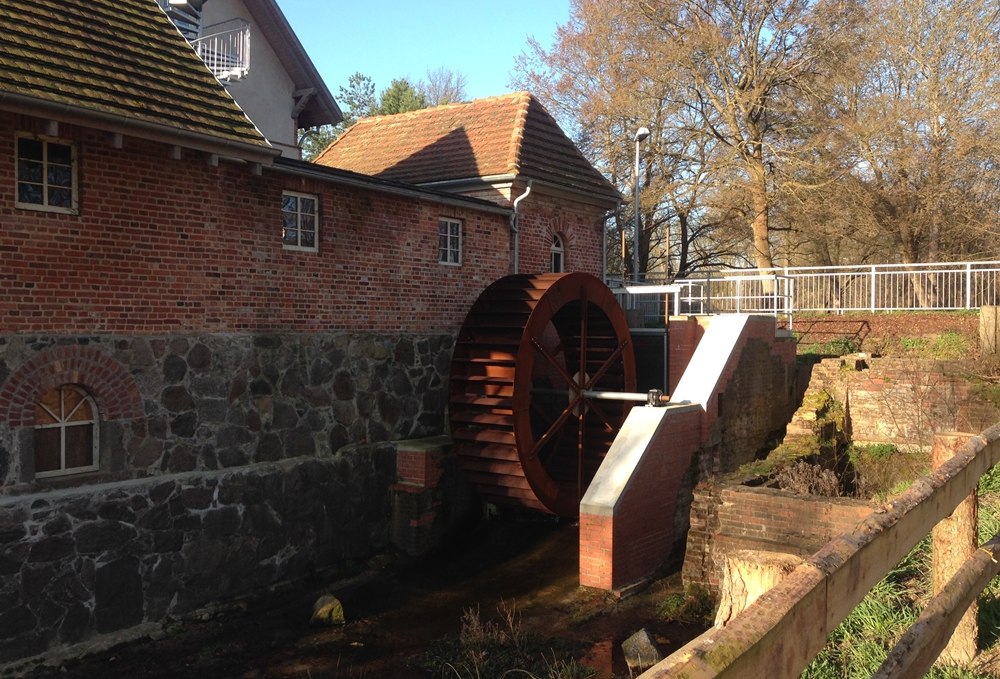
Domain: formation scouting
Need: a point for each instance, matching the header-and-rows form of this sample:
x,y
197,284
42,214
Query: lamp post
x,y
640,135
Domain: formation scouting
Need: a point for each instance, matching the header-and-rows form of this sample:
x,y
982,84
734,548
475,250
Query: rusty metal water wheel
x,y
525,431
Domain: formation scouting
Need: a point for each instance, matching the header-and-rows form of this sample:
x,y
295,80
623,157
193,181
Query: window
x,y
298,221
558,254
65,432
46,175
449,241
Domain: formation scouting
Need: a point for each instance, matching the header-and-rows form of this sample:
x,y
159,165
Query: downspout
x,y
514,225
604,240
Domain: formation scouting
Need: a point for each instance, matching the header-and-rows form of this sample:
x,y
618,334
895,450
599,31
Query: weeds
x,y
485,649
694,605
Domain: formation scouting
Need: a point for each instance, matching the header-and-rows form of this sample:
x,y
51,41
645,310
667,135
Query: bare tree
x,y
926,117
443,86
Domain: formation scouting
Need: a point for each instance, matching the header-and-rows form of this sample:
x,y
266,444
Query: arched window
x,y
558,254
65,432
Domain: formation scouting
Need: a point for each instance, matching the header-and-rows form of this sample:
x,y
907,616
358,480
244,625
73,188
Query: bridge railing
x,y
790,290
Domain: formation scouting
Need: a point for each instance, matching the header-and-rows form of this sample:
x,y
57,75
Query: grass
x,y
859,645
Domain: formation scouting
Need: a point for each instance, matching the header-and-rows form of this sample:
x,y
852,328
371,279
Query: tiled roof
x,y
508,135
120,59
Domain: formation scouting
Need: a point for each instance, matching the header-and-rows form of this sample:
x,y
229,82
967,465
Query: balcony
x,y
225,49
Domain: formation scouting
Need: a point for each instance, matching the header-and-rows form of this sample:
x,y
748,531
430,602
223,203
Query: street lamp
x,y
640,135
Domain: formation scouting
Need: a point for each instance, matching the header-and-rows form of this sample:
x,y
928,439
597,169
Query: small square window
x,y
449,241
299,221
46,175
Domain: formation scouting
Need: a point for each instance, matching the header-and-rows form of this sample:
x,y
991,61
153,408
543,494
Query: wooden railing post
x,y
953,541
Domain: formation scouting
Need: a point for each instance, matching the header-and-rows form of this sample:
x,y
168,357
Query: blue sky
x,y
388,39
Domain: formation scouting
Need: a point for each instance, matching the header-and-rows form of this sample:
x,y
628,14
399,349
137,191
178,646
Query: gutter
x,y
117,122
302,168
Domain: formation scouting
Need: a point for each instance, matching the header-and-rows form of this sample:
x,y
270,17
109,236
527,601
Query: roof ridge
x,y
517,132
452,104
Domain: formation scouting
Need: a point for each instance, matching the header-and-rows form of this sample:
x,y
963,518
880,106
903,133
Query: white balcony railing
x,y
225,49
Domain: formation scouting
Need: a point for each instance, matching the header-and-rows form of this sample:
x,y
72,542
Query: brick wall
x,y
163,245
903,401
541,215
620,548
725,519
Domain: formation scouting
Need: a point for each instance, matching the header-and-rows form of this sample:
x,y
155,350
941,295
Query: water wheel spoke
x,y
559,421
555,363
598,411
608,363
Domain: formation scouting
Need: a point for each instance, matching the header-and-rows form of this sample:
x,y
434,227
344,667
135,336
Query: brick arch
x,y
107,381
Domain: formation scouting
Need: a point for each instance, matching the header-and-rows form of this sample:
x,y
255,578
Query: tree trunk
x,y
746,574
760,224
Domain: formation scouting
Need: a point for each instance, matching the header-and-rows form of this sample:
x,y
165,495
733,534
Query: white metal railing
x,y
226,50
748,294
788,290
896,287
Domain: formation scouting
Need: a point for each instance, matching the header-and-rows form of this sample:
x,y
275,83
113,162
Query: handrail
x,y
935,286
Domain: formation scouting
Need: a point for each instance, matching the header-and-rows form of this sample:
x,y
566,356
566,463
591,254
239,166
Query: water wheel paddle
x,y
524,430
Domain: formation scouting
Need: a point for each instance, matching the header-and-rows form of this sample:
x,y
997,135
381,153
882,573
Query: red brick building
x,y
208,349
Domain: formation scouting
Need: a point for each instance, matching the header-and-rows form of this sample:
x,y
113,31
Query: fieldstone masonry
x,y
94,560
244,461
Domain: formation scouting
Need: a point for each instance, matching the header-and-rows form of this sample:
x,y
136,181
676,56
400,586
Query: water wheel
x,y
525,431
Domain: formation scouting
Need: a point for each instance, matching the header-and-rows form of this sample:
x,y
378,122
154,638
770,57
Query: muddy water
x,y
394,615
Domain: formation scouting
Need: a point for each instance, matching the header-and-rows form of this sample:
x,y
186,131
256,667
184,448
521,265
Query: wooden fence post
x,y
953,541
988,327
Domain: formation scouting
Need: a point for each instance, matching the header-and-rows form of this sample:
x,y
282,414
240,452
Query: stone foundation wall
x,y
228,463
101,560
208,402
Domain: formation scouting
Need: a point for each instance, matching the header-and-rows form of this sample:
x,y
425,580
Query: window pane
x,y
60,197
308,239
79,446
60,175
60,153
307,205
47,450
308,223
289,203
29,171
289,220
29,193
29,148
291,237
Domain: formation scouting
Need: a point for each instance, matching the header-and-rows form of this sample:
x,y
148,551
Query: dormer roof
x,y
494,139
119,65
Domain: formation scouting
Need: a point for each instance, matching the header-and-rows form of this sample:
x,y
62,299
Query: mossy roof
x,y
122,59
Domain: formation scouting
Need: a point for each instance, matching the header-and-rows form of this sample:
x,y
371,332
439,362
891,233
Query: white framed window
x,y
558,253
46,174
299,221
449,241
66,430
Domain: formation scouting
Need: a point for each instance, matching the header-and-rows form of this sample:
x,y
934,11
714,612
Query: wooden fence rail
x,y
786,627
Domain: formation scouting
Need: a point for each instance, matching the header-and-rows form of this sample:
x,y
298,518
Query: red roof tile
x,y
508,135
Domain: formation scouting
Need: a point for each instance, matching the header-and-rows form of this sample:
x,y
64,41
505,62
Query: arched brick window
x,y
558,254
66,431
